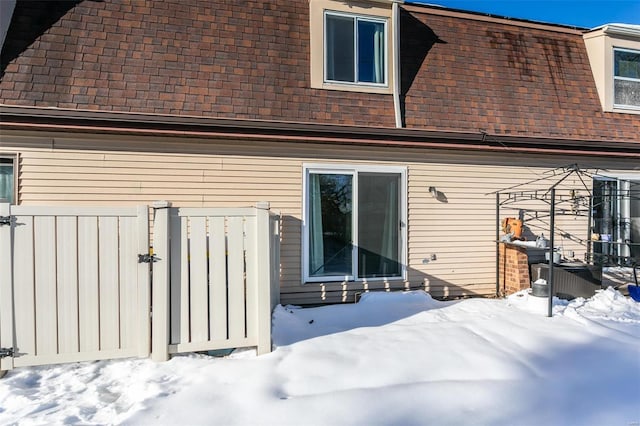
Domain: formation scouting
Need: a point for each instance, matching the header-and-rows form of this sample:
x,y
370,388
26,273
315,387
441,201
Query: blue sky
x,y
580,13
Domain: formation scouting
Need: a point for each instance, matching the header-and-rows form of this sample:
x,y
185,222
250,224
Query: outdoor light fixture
x,y
438,195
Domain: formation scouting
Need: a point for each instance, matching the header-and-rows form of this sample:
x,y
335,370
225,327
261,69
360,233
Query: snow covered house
x,y
379,130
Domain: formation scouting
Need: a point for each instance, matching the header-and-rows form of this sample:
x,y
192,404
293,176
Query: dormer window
x,y
614,56
355,49
352,45
626,78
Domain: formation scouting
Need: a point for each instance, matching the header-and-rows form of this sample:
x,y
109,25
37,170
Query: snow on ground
x,y
392,358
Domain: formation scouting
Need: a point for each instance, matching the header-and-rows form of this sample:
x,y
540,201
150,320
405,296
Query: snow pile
x,y
293,324
608,305
539,305
104,392
392,358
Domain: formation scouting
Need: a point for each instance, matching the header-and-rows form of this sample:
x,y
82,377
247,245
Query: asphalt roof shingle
x,y
250,60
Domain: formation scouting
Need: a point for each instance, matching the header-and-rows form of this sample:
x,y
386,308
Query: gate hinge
x,y
5,352
147,258
5,220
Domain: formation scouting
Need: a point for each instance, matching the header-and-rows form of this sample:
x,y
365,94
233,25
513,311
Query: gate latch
x,y
5,220
147,258
5,352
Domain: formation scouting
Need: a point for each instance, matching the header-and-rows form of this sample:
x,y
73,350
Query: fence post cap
x,y
263,205
161,204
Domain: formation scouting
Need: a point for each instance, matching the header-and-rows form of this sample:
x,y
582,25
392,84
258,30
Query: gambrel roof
x,y
462,73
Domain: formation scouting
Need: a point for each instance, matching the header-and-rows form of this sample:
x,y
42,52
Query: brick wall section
x,y
514,269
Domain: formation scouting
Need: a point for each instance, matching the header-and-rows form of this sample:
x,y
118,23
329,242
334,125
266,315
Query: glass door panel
x,y
378,225
330,225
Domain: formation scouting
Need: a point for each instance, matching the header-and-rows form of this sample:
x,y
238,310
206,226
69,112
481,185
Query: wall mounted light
x,y
438,195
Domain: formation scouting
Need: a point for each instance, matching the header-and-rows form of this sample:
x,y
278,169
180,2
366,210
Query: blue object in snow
x,y
634,292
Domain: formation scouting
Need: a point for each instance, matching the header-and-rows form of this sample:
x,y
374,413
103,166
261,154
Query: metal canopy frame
x,y
576,205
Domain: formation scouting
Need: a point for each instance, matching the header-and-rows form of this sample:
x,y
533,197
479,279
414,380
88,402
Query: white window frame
x,y
354,171
615,77
356,18
14,160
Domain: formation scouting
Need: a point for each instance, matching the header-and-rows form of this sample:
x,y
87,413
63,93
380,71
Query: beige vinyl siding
x,y
105,170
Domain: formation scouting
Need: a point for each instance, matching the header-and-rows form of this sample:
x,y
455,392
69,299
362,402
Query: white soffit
x,y
628,30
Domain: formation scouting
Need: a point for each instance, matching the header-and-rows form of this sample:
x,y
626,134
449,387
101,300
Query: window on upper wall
x,y
354,223
355,49
7,178
626,78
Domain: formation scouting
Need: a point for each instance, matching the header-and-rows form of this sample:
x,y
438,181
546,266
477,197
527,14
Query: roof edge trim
x,y
435,9
48,119
622,30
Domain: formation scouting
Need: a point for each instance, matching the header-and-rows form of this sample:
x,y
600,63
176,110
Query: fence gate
x,y
71,285
221,282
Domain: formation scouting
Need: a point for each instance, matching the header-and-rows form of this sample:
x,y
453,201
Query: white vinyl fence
x,y
75,282
221,283
71,288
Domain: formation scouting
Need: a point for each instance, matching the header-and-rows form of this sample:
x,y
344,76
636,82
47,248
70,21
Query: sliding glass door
x,y
353,224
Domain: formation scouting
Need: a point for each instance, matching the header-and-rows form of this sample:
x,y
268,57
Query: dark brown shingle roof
x,y
250,60
186,57
506,77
